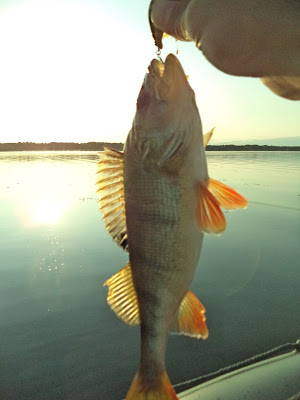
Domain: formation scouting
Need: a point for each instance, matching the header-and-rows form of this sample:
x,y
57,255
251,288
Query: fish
x,y
157,202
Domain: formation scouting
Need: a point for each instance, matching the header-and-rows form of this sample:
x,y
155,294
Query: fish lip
x,y
169,70
161,76
154,82
156,68
174,70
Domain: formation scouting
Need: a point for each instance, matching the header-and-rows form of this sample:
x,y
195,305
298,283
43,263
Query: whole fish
x,y
157,200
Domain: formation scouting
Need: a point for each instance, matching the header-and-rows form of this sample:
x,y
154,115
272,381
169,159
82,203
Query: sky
x,y
71,71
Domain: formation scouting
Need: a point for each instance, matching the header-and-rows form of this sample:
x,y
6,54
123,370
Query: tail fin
x,y
144,390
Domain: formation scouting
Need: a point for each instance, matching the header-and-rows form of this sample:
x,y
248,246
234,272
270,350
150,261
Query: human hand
x,y
245,38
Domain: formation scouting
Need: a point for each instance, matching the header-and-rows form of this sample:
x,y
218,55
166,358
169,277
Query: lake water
x,y
59,338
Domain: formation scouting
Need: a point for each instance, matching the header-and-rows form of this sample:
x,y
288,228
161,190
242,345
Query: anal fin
x,y
190,318
122,298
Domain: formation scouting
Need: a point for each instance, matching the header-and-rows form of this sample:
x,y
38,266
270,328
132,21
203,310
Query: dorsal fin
x,y
227,197
110,188
207,137
210,218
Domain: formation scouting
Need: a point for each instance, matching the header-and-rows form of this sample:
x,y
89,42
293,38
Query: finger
x,y
284,86
165,16
242,38
246,38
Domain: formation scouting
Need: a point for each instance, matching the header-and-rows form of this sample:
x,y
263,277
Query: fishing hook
x,y
158,53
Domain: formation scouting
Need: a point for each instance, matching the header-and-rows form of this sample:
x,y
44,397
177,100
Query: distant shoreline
x,y
99,146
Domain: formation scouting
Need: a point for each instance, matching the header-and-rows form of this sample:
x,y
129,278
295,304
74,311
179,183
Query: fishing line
x,y
274,205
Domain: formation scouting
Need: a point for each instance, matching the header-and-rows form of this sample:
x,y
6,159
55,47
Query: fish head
x,y
166,116
165,95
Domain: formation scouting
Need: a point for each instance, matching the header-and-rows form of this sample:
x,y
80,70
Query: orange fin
x,y
209,215
190,318
226,196
122,296
160,389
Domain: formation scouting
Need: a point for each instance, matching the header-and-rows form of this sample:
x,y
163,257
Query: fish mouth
x,y
165,79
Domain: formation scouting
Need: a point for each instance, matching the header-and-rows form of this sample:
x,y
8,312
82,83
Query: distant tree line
x,y
99,146
58,146
250,147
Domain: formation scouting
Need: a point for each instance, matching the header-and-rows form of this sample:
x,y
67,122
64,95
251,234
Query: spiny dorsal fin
x,y
207,137
210,218
122,296
227,197
110,188
190,318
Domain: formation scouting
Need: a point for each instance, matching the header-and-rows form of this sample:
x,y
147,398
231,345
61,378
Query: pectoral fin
x,y
110,188
227,197
122,296
190,318
210,218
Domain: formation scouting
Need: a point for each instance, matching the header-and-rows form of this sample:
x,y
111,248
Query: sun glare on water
x,y
46,211
43,209
46,191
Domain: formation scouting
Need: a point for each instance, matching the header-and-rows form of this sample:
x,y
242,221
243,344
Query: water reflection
x,y
43,187
61,339
265,177
47,211
46,156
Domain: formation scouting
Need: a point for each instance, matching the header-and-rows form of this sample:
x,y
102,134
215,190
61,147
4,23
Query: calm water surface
x,y
58,337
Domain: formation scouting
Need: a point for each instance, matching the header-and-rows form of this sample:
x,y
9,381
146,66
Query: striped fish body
x,y
163,238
